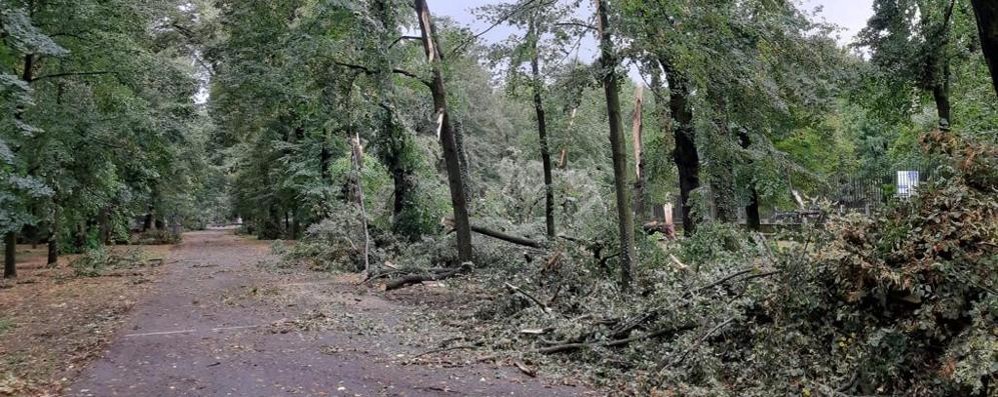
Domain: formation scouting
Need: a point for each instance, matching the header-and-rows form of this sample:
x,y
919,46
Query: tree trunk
x,y
394,141
104,225
639,159
940,92
10,256
537,85
357,157
752,207
608,64
685,152
447,138
987,25
53,243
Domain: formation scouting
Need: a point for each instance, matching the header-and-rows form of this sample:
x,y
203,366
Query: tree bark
x,y
10,255
752,207
608,64
987,26
104,225
53,243
639,159
394,141
685,152
447,138
537,85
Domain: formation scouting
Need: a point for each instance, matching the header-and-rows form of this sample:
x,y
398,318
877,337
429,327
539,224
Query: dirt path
x,y
218,324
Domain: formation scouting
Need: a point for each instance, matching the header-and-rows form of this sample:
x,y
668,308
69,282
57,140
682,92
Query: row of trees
x,y
751,100
99,123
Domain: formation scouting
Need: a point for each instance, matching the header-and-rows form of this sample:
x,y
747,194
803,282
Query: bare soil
x,y
224,320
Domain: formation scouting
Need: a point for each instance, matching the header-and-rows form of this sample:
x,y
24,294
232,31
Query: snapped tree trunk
x,y
639,159
537,85
625,216
987,25
447,137
685,152
10,255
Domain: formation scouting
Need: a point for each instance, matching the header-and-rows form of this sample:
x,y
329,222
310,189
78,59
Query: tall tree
x,y
625,215
459,201
987,26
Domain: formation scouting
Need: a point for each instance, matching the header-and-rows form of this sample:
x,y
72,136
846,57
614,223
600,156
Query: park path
x,y
219,324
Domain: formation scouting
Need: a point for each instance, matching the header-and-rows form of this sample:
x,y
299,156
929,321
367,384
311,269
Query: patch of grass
x,y
6,324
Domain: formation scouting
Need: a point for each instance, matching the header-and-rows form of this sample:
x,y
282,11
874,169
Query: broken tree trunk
x,y
358,166
639,160
447,138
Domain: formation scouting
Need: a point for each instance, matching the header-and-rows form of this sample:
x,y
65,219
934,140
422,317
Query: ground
x,y
221,319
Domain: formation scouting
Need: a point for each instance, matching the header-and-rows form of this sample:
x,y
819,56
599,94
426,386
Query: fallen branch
x,y
412,279
449,223
615,343
526,370
514,290
446,349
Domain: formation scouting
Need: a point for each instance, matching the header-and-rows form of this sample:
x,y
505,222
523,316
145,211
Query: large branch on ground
x,y
413,279
449,223
567,347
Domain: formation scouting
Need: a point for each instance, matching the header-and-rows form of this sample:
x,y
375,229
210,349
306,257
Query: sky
x,y
851,15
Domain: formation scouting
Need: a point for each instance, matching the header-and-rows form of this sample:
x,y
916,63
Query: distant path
x,y
212,328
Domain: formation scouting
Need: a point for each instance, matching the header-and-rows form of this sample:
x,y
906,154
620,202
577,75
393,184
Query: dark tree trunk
x,y
537,85
394,142
447,138
147,223
685,152
752,207
608,64
324,158
80,237
10,255
987,25
53,243
104,225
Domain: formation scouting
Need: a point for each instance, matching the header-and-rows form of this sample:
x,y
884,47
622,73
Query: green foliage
x,y
101,259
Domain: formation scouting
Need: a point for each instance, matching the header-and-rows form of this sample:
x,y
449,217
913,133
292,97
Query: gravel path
x,y
217,324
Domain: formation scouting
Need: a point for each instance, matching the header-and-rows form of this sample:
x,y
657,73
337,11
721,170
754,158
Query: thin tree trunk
x,y
685,152
10,255
447,138
639,158
608,64
940,92
987,25
542,129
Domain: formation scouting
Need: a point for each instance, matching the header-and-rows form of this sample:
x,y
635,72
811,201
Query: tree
x,y
434,56
987,24
625,215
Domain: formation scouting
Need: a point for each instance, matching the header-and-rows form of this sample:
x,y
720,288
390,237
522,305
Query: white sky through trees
x,y
851,15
